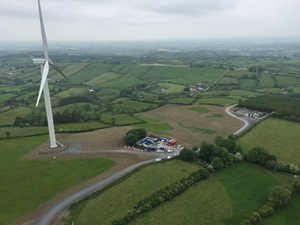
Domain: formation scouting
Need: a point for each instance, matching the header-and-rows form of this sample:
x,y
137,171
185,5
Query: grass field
x,y
172,88
71,92
8,117
25,184
279,137
21,132
220,199
133,106
200,109
218,101
4,97
184,101
289,214
286,81
115,204
121,119
156,127
102,78
266,81
81,126
91,71
123,82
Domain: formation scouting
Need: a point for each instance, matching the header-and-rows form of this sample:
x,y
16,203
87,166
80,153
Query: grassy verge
x,y
25,184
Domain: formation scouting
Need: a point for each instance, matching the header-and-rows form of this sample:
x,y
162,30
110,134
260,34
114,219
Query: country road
x,y
246,123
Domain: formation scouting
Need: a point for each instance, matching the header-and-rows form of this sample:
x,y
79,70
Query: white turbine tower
x,y
44,83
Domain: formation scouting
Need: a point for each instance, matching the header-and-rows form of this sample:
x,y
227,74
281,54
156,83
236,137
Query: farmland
x,y
116,89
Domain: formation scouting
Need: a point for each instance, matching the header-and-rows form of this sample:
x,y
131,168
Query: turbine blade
x,y
44,78
44,38
59,70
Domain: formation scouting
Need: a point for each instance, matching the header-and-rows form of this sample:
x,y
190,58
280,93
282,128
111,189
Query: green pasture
x,y
184,75
70,107
279,137
71,92
239,73
5,96
117,68
11,89
121,119
266,81
21,132
25,184
284,81
89,72
114,204
135,70
247,83
242,93
102,78
8,117
228,80
132,106
123,82
289,214
74,68
107,92
222,197
77,127
172,88
4,108
217,101
184,101
226,197
28,95
270,90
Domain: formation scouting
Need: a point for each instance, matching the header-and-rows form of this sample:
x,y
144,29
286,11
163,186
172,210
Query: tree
x,y
7,134
279,196
205,151
139,132
130,139
217,163
220,152
260,156
187,155
229,145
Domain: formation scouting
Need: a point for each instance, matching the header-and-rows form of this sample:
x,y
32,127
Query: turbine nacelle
x,y
39,61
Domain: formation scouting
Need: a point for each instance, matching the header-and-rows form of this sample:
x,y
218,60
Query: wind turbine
x,y
44,83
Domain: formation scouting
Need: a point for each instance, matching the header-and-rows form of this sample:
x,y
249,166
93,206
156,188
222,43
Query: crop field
x,y
8,117
172,88
91,71
20,179
102,78
218,101
279,137
136,187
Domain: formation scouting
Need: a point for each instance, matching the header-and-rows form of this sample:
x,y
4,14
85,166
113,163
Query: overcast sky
x,y
149,19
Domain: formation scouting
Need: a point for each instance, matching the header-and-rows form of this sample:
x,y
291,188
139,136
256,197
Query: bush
x,y
205,151
266,210
229,145
222,153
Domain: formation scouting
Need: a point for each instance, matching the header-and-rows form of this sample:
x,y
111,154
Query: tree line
x,y
287,107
